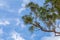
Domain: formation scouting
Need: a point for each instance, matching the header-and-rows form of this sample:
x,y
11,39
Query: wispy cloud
x,y
23,6
21,9
3,4
52,37
16,36
4,22
20,23
32,36
1,31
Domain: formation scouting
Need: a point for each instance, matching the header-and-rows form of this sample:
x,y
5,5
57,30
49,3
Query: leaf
x,y
47,1
31,28
27,19
45,13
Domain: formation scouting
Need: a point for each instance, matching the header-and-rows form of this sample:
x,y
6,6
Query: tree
x,y
47,14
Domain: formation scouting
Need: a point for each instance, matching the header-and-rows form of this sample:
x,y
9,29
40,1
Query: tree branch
x,y
45,30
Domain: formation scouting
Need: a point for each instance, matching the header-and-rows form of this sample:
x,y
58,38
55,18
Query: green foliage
x,y
32,6
31,28
27,19
46,14
47,1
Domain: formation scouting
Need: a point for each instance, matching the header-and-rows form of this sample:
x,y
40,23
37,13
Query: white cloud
x,y
23,6
3,4
21,9
1,31
58,29
32,36
18,21
52,37
22,25
26,1
16,36
6,6
4,22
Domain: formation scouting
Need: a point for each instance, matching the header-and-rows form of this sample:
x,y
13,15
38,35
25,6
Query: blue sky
x,y
12,26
